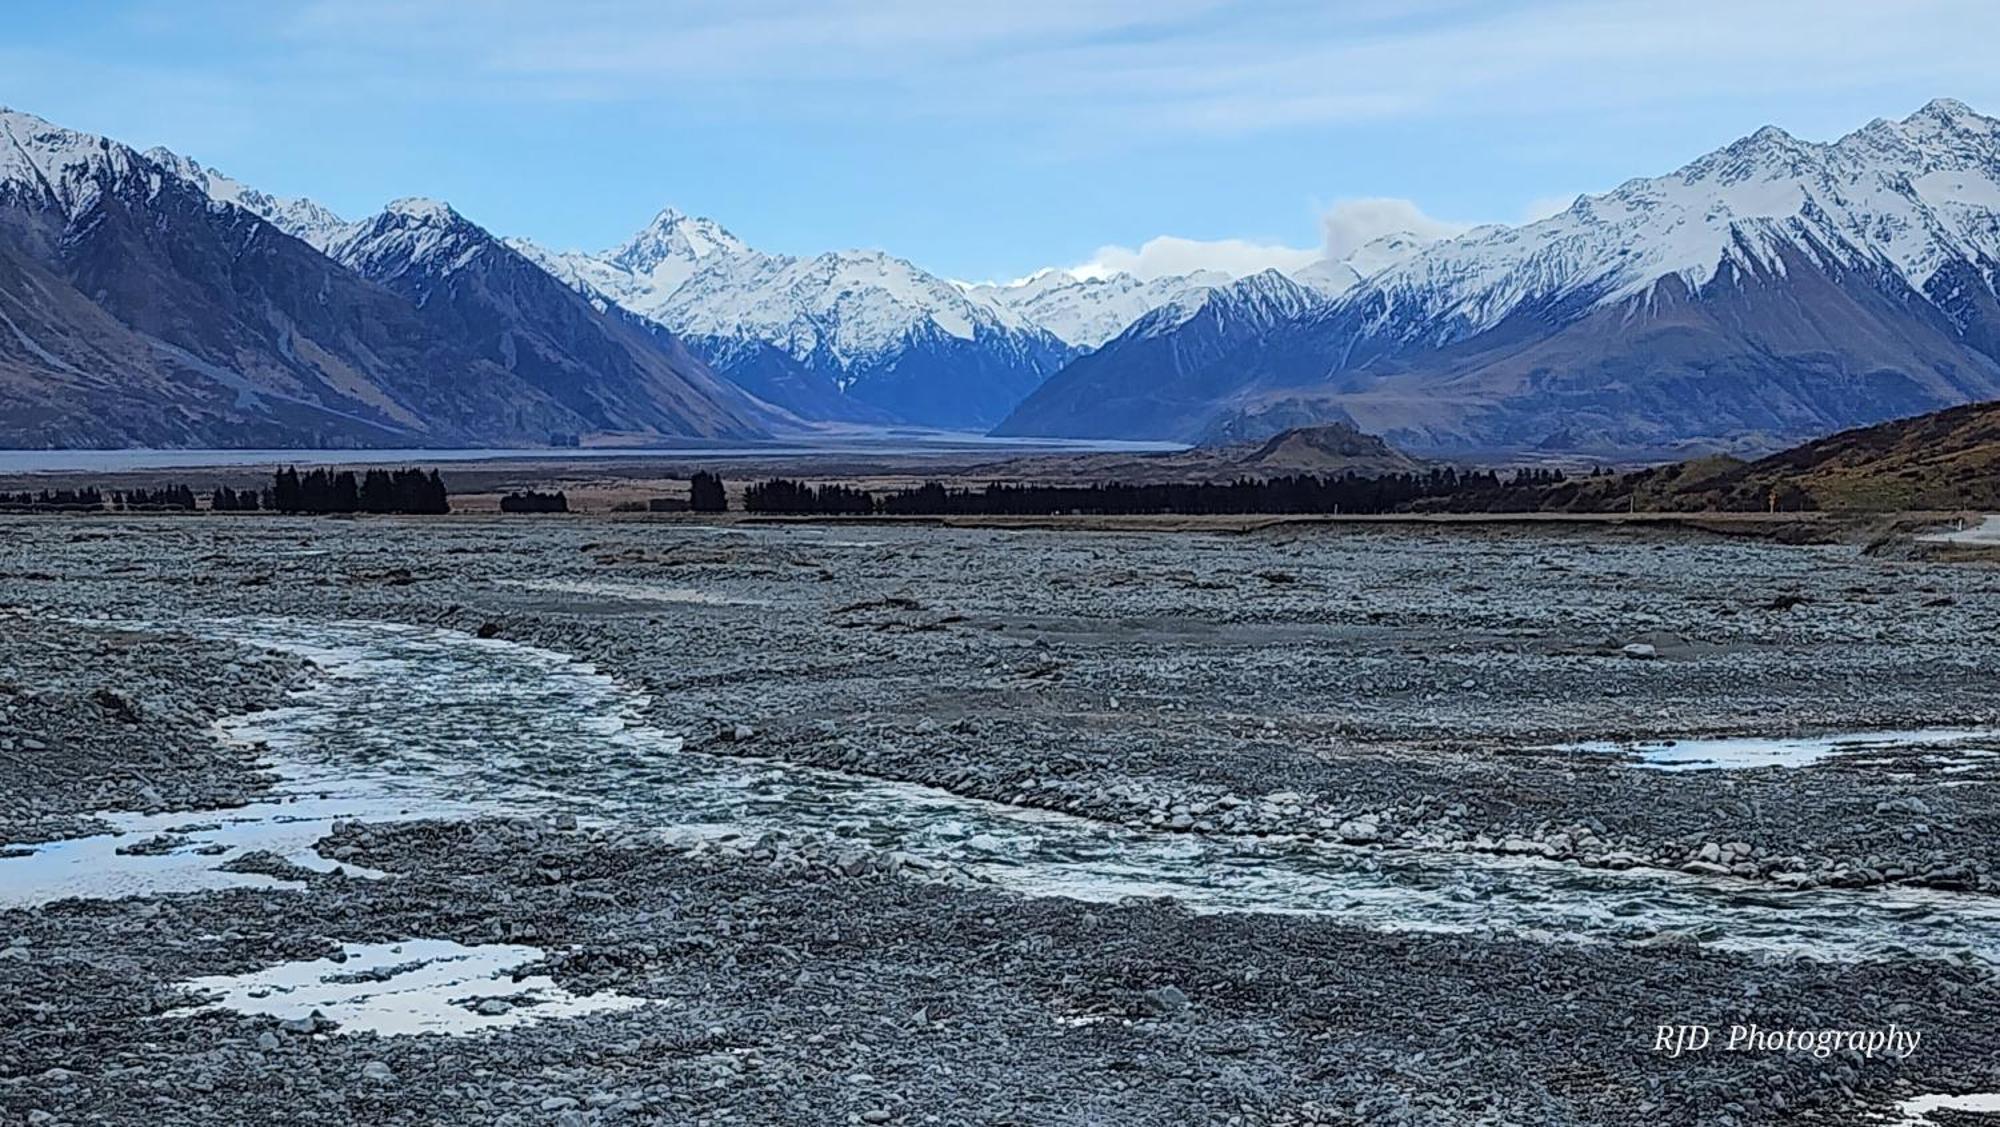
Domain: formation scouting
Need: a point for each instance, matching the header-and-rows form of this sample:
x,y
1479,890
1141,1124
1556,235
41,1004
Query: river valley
x,y
604,821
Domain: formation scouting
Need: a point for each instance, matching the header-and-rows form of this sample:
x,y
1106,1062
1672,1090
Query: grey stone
x,y
1166,1000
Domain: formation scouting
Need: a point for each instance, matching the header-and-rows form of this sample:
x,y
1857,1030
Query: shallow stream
x,y
409,722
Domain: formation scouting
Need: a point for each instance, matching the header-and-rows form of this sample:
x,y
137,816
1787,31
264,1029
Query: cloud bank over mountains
x,y
1348,226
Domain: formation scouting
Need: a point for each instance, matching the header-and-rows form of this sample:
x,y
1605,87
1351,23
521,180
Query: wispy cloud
x,y
1145,65
1001,134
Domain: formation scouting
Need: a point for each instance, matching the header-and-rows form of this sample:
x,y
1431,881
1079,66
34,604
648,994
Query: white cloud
x,y
1170,254
1350,225
1347,226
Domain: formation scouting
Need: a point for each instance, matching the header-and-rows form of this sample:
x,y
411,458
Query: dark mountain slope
x,y
1753,359
145,313
608,367
1163,376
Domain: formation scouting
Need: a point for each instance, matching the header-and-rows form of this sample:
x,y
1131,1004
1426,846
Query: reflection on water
x,y
1917,1112
147,854
633,592
413,986
1742,752
872,441
410,721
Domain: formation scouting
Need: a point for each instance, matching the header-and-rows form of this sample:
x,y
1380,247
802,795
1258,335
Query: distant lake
x,y
114,461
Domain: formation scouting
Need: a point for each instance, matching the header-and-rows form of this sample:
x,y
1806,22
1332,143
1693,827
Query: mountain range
x,y
141,304
1772,290
863,336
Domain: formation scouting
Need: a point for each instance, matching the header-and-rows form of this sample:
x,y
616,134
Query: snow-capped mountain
x,y
1086,312
848,335
300,218
1772,289
147,301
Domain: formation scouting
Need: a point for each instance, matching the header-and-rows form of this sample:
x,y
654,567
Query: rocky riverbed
x,y
878,823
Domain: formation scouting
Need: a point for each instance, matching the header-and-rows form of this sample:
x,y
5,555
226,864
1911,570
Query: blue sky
x,y
981,140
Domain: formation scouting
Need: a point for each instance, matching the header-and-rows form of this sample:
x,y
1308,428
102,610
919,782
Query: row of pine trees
x,y
316,491
1349,493
420,491
376,491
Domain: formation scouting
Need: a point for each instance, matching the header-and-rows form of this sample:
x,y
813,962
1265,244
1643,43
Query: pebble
x,y
1166,1000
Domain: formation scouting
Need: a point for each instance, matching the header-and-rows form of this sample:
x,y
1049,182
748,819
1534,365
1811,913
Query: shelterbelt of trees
x,y
317,491
93,498
376,491
1353,493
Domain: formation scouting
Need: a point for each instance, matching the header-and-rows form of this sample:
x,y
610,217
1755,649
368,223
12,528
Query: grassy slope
x,y
1945,460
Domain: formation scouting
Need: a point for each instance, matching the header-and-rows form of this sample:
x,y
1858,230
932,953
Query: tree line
x,y
54,499
375,491
93,499
1299,493
529,501
316,491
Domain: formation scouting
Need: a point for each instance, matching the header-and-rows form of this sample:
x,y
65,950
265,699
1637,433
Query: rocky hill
x,y
1944,460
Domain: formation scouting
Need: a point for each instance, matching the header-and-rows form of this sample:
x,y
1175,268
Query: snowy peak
x,y
1380,253
667,251
1950,114
410,235
851,307
1328,278
421,212
673,234
1259,301
62,167
71,170
857,334
1269,296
